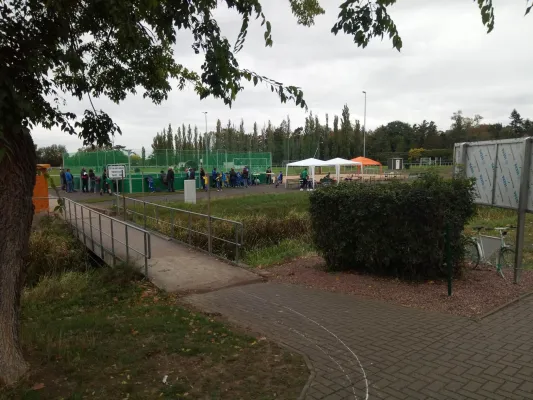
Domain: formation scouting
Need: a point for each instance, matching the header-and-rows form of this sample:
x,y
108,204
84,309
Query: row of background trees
x,y
325,139
341,137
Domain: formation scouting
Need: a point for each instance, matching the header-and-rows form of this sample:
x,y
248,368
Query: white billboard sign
x,y
116,171
497,169
503,174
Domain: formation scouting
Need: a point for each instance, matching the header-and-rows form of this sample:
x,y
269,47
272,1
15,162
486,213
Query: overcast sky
x,y
447,63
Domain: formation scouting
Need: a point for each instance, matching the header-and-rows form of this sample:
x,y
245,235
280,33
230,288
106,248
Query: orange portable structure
x,y
367,162
40,190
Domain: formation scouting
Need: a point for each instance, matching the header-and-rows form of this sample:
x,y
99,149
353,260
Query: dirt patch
x,y
477,293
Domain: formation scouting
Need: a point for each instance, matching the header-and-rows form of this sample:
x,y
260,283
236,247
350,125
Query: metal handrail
x,y
71,210
239,227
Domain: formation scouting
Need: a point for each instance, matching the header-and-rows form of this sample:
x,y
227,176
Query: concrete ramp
x,y
170,266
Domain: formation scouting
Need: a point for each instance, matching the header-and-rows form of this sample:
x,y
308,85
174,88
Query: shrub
x,y
396,229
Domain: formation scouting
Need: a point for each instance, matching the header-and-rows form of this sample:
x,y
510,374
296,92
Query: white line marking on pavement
x,y
331,358
324,328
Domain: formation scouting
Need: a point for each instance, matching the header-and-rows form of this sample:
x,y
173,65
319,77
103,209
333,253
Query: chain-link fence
x,y
157,160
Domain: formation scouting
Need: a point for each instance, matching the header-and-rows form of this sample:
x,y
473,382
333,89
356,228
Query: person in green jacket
x,y
303,177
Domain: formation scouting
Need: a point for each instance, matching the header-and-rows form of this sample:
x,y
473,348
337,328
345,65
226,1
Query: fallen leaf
x,y
38,386
165,379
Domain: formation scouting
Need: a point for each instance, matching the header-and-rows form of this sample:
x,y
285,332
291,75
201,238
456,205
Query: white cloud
x,y
448,63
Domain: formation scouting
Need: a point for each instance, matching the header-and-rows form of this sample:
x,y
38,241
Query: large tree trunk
x,y
17,179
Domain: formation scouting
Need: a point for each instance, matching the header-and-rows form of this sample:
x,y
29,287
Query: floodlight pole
x,y
364,128
205,139
129,170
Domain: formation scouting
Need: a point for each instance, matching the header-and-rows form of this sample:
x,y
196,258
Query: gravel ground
x,y
474,295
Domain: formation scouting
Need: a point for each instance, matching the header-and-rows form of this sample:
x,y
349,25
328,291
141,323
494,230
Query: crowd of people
x,y
90,182
235,179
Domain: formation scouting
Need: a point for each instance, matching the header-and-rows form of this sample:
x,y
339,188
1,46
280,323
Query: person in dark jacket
x,y
170,179
84,181
63,179
104,184
163,178
92,181
202,178
245,175
214,175
232,178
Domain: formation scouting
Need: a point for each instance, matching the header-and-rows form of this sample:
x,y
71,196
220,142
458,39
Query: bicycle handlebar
x,y
505,228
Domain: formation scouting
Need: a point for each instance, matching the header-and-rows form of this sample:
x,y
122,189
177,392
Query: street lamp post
x,y
364,129
205,139
209,228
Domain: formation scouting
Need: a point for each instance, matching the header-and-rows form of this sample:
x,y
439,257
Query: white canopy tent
x,y
311,163
337,162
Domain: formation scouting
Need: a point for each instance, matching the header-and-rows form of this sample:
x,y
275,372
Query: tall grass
x,y
268,220
54,250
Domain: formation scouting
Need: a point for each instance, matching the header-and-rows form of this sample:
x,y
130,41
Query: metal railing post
x,y
144,213
145,255
91,227
101,239
149,245
172,223
112,242
127,244
210,233
124,200
76,218
237,244
69,212
189,228
83,227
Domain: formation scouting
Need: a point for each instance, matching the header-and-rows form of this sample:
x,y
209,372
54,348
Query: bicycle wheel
x,y
506,264
472,257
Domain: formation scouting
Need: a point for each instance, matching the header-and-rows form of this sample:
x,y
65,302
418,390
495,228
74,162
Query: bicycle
x,y
481,249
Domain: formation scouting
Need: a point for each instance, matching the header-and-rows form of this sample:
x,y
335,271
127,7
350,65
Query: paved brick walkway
x,y
364,349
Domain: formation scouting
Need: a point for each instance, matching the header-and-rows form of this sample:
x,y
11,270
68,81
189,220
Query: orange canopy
x,y
366,161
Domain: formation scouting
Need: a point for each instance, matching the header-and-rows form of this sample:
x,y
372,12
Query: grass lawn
x,y
100,335
272,205
96,198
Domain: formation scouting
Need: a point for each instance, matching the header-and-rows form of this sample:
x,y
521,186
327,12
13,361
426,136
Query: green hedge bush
x,y
395,229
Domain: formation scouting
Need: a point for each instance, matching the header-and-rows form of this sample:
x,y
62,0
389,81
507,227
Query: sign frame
x,y
116,167
501,173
